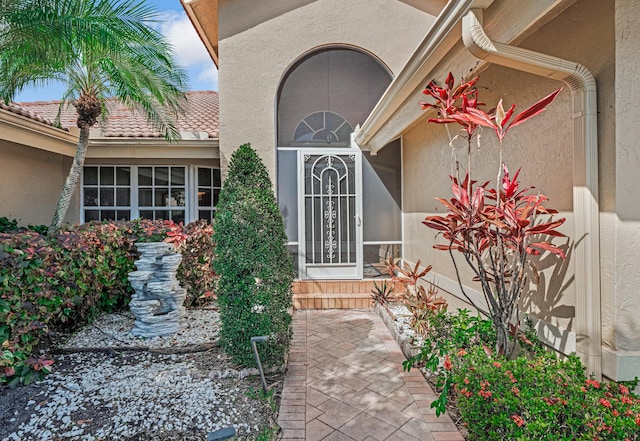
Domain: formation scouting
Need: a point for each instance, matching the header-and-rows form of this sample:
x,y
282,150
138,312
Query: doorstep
x,y
333,294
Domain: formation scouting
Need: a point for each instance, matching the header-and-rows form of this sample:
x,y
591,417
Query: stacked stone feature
x,y
158,301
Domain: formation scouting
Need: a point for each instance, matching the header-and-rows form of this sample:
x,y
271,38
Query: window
x,y
162,193
107,193
208,192
179,193
323,128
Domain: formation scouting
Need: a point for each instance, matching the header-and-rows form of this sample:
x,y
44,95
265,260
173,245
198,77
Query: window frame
x,y
191,208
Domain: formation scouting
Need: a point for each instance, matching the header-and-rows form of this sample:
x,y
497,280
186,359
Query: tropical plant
x,y
254,267
496,230
382,292
99,49
422,303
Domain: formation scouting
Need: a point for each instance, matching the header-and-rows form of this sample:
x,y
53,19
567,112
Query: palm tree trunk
x,y
72,179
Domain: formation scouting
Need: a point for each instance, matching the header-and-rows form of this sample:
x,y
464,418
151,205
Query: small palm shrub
x,y
251,259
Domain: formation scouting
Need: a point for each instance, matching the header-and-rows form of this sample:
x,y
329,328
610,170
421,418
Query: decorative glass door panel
x,y
331,225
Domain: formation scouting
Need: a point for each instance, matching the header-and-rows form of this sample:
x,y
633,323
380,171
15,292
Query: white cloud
x,y
189,49
209,77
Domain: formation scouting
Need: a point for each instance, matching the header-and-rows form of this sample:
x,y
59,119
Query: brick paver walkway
x,y
345,382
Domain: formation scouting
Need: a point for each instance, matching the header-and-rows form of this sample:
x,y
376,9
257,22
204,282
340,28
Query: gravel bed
x,y
141,394
113,330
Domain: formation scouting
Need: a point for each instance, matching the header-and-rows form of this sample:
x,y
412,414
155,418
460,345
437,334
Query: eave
x,y
204,17
152,148
21,130
442,51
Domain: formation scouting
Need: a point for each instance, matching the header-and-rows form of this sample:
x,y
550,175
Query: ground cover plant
x,y
254,267
533,396
57,282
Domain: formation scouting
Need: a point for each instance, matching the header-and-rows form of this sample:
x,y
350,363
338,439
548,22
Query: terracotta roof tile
x,y
30,114
201,115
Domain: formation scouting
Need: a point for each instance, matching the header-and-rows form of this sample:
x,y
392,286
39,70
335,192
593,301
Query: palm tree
x,y
99,49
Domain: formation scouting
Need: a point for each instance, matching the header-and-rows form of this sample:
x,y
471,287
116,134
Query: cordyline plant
x,y
496,230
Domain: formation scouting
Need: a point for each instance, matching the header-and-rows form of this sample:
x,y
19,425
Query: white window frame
x,y
191,208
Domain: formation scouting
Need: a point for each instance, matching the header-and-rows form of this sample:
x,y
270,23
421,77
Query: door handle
x,y
358,220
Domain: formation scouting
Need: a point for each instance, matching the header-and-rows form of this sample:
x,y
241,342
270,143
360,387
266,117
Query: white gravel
x,y
136,395
113,330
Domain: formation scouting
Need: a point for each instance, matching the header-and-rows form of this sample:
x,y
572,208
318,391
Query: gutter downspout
x,y
585,173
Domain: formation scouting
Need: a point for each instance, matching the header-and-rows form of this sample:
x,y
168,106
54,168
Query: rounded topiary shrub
x,y
251,259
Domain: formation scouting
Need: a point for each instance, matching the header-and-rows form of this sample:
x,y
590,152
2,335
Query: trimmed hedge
x,y
254,267
62,281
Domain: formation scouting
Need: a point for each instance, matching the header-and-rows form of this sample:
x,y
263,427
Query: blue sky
x,y
190,53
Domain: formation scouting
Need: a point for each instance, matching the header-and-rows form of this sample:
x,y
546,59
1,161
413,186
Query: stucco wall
x,y
30,183
624,324
254,59
542,147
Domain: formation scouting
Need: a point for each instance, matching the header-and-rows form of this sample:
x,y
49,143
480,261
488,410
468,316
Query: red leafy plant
x,y
422,303
496,230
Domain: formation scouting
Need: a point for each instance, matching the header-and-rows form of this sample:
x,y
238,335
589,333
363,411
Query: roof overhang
x,y
204,17
442,51
25,131
152,148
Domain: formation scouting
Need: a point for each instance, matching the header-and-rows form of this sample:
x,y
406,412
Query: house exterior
x,y
130,170
327,92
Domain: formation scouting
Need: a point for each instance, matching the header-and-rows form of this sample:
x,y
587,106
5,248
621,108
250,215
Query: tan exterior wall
x,y
542,147
30,183
389,29
623,227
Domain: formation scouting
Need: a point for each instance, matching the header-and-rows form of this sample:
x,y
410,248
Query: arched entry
x,y
321,98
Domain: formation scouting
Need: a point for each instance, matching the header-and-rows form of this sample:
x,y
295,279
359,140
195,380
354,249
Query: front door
x,y
330,195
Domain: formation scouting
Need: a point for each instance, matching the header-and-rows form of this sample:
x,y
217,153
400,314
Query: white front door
x,y
330,199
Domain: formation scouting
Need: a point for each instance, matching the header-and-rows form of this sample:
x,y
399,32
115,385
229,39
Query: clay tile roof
x,y
201,115
30,114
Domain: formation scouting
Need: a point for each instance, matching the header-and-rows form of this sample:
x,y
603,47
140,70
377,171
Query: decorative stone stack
x,y
157,302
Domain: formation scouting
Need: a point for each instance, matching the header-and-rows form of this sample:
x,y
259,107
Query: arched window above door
x,y
326,94
323,128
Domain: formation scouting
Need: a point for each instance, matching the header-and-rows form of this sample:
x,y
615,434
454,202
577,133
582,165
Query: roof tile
x,y
201,115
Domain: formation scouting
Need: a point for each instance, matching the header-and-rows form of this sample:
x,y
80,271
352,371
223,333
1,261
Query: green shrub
x,y
540,399
7,225
255,270
534,396
62,281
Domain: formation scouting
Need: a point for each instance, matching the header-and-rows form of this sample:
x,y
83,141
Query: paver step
x,y
334,294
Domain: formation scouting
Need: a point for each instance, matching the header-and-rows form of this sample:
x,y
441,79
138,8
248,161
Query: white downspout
x,y
586,255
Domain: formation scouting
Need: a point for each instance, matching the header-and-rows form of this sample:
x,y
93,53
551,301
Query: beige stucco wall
x,y
623,221
542,147
30,183
254,59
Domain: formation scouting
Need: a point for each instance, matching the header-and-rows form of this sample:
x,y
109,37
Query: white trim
x,y
438,41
